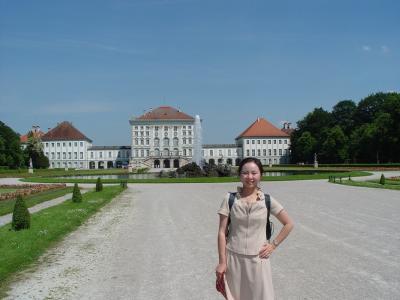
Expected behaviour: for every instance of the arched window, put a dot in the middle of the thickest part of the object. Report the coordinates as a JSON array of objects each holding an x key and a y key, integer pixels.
[
  {"x": 175, "y": 142},
  {"x": 176, "y": 151},
  {"x": 165, "y": 152},
  {"x": 156, "y": 142},
  {"x": 156, "y": 152},
  {"x": 166, "y": 142}
]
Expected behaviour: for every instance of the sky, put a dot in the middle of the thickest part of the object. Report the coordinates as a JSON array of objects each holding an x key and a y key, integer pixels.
[{"x": 99, "y": 63}]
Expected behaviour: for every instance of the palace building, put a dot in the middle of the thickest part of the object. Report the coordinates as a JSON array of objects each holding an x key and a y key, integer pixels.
[{"x": 163, "y": 137}]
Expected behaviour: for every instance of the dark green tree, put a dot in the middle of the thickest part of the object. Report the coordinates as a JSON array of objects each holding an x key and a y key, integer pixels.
[
  {"x": 335, "y": 147},
  {"x": 10, "y": 148},
  {"x": 306, "y": 147},
  {"x": 343, "y": 114},
  {"x": 382, "y": 180},
  {"x": 99, "y": 185},
  {"x": 76, "y": 194},
  {"x": 21, "y": 218}
]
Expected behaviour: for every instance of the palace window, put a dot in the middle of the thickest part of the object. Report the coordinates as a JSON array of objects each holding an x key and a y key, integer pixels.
[
  {"x": 280, "y": 151},
  {"x": 58, "y": 155},
  {"x": 258, "y": 152},
  {"x": 258, "y": 141},
  {"x": 75, "y": 155},
  {"x": 64, "y": 155},
  {"x": 81, "y": 143},
  {"x": 248, "y": 152},
  {"x": 253, "y": 152},
  {"x": 264, "y": 152},
  {"x": 109, "y": 154},
  {"x": 81, "y": 155},
  {"x": 76, "y": 144},
  {"x": 274, "y": 151}
]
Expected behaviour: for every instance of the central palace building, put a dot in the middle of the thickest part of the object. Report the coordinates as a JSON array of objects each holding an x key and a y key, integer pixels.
[{"x": 163, "y": 137}]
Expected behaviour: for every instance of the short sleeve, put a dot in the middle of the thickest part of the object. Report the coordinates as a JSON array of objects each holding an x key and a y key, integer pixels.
[
  {"x": 276, "y": 207},
  {"x": 224, "y": 209}
]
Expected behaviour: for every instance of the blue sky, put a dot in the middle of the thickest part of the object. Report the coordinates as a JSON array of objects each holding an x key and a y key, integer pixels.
[{"x": 97, "y": 63}]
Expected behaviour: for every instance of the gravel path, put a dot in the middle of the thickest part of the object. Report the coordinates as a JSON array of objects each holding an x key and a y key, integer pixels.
[{"x": 159, "y": 242}]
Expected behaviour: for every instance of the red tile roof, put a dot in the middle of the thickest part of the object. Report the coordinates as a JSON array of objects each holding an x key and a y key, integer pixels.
[
  {"x": 165, "y": 113},
  {"x": 24, "y": 138},
  {"x": 64, "y": 131},
  {"x": 260, "y": 128}
]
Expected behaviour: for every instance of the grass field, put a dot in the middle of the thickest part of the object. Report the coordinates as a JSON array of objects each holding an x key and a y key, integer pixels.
[
  {"x": 7, "y": 206},
  {"x": 3, "y": 191},
  {"x": 22, "y": 248},
  {"x": 389, "y": 184}
]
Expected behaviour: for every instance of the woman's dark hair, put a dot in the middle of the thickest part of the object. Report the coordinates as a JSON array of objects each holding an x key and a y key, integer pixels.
[{"x": 251, "y": 159}]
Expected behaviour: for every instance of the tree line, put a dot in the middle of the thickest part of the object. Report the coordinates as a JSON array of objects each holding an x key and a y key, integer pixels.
[
  {"x": 367, "y": 132},
  {"x": 11, "y": 154}
]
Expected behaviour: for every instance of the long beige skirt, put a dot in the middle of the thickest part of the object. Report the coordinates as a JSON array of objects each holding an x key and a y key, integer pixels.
[{"x": 248, "y": 277}]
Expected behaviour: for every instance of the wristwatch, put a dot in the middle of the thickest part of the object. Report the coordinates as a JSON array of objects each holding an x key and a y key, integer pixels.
[{"x": 275, "y": 243}]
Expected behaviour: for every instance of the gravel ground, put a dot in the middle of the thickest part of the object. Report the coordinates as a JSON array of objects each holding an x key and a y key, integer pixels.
[{"x": 159, "y": 242}]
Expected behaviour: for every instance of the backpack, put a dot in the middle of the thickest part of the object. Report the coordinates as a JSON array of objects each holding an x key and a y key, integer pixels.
[{"x": 270, "y": 225}]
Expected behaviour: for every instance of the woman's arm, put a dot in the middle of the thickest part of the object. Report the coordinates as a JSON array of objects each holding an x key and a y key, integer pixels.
[
  {"x": 223, "y": 222},
  {"x": 221, "y": 267},
  {"x": 288, "y": 225}
]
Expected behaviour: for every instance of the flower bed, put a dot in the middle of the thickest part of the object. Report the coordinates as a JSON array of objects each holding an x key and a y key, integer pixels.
[{"x": 28, "y": 189}]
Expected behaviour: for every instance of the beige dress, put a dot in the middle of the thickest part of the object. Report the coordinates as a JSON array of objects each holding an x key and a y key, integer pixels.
[{"x": 248, "y": 277}]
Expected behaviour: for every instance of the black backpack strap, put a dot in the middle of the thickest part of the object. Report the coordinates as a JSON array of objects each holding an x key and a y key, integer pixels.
[
  {"x": 269, "y": 224},
  {"x": 232, "y": 197}
]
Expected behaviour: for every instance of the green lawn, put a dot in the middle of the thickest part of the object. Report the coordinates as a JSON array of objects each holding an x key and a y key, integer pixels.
[
  {"x": 22, "y": 248},
  {"x": 4, "y": 190},
  {"x": 7, "y": 206},
  {"x": 373, "y": 184}
]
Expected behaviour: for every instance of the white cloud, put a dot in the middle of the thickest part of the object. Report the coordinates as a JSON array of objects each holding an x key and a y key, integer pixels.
[
  {"x": 366, "y": 48},
  {"x": 385, "y": 49},
  {"x": 80, "y": 107}
]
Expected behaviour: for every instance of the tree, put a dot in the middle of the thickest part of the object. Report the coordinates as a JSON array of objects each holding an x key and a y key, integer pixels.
[
  {"x": 99, "y": 185},
  {"x": 76, "y": 194},
  {"x": 10, "y": 147},
  {"x": 343, "y": 115},
  {"x": 34, "y": 151},
  {"x": 306, "y": 147},
  {"x": 335, "y": 146},
  {"x": 21, "y": 218}
]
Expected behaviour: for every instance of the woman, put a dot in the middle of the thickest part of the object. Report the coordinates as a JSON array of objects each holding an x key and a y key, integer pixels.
[{"x": 244, "y": 271}]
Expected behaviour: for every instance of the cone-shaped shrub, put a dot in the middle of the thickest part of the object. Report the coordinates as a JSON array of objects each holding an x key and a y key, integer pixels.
[
  {"x": 76, "y": 194},
  {"x": 382, "y": 180},
  {"x": 21, "y": 219},
  {"x": 124, "y": 184},
  {"x": 99, "y": 185}
]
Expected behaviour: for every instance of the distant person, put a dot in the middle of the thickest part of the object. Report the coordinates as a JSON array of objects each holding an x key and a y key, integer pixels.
[{"x": 244, "y": 270}]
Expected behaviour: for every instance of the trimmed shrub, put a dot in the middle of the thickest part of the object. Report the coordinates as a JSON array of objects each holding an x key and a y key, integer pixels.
[
  {"x": 76, "y": 194},
  {"x": 190, "y": 170},
  {"x": 382, "y": 180},
  {"x": 99, "y": 185},
  {"x": 21, "y": 218},
  {"x": 124, "y": 184}
]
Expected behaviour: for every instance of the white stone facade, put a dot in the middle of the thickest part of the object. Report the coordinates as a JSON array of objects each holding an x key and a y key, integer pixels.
[
  {"x": 161, "y": 143},
  {"x": 222, "y": 154},
  {"x": 270, "y": 150},
  {"x": 67, "y": 154}
]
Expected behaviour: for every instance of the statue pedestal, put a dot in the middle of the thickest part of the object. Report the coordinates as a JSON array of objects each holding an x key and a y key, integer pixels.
[
  {"x": 315, "y": 164},
  {"x": 66, "y": 169},
  {"x": 130, "y": 169},
  {"x": 270, "y": 165},
  {"x": 30, "y": 170}
]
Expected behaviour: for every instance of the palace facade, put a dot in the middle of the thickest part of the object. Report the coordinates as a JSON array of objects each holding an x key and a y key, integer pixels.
[{"x": 163, "y": 137}]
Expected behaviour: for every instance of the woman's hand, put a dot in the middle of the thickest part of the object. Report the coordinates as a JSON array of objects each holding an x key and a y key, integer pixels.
[
  {"x": 266, "y": 250},
  {"x": 220, "y": 284}
]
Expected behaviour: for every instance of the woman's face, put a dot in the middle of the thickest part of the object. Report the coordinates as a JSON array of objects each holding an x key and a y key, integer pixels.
[{"x": 250, "y": 175}]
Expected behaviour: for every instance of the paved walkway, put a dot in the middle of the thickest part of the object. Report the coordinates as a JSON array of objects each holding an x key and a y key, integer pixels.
[{"x": 159, "y": 242}]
